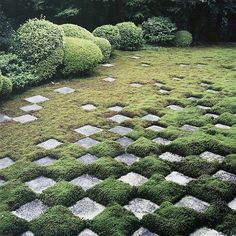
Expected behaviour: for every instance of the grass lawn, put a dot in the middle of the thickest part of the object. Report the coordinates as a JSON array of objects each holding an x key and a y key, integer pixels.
[{"x": 191, "y": 95}]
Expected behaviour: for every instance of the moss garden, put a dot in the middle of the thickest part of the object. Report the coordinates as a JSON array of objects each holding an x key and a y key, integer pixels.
[{"x": 125, "y": 130}]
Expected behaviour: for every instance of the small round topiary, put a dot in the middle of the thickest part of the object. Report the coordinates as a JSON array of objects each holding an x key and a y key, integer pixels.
[
  {"x": 105, "y": 47},
  {"x": 80, "y": 55},
  {"x": 131, "y": 36},
  {"x": 109, "y": 32},
  {"x": 6, "y": 87},
  {"x": 183, "y": 38},
  {"x": 75, "y": 31},
  {"x": 36, "y": 39}
]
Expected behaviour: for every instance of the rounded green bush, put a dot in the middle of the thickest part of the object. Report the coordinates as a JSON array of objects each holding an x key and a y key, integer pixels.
[
  {"x": 80, "y": 55},
  {"x": 37, "y": 39},
  {"x": 105, "y": 47},
  {"x": 109, "y": 32},
  {"x": 75, "y": 31},
  {"x": 183, "y": 38},
  {"x": 6, "y": 87}
]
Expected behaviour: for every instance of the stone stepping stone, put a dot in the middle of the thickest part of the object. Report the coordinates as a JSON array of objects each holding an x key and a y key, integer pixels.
[
  {"x": 206, "y": 232},
  {"x": 109, "y": 79},
  {"x": 211, "y": 115},
  {"x": 2, "y": 181},
  {"x": 31, "y": 108},
  {"x": 87, "y": 158},
  {"x": 133, "y": 179},
  {"x": 145, "y": 65},
  {"x": 193, "y": 203},
  {"x": 177, "y": 78},
  {"x": 64, "y": 90},
  {"x": 87, "y": 209},
  {"x": 191, "y": 128},
  {"x": 128, "y": 159},
  {"x": 225, "y": 176},
  {"x": 151, "y": 117},
  {"x": 107, "y": 65},
  {"x": 175, "y": 107},
  {"x": 6, "y": 162},
  {"x": 220, "y": 126},
  {"x": 201, "y": 65},
  {"x": 25, "y": 119},
  {"x": 136, "y": 85},
  {"x": 141, "y": 207},
  {"x": 135, "y": 57},
  {"x": 194, "y": 99},
  {"x": 158, "y": 84},
  {"x": 36, "y": 99},
  {"x": 143, "y": 232},
  {"x": 86, "y": 181},
  {"x": 40, "y": 184},
  {"x": 28, "y": 233},
  {"x": 168, "y": 156},
  {"x": 50, "y": 144},
  {"x": 116, "y": 108},
  {"x": 87, "y": 232},
  {"x": 155, "y": 128},
  {"x": 45, "y": 161},
  {"x": 4, "y": 118},
  {"x": 162, "y": 141},
  {"x": 88, "y": 130},
  {"x": 203, "y": 107},
  {"x": 212, "y": 91},
  {"x": 205, "y": 84},
  {"x": 87, "y": 142},
  {"x": 121, "y": 130},
  {"x": 119, "y": 118},
  {"x": 163, "y": 91},
  {"x": 125, "y": 141},
  {"x": 210, "y": 156},
  {"x": 183, "y": 65},
  {"x": 232, "y": 204},
  {"x": 31, "y": 210},
  {"x": 88, "y": 107},
  {"x": 178, "y": 178}
]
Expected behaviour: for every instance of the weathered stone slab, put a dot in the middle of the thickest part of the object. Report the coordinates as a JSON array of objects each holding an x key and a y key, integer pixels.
[
  {"x": 225, "y": 176},
  {"x": 163, "y": 91},
  {"x": 194, "y": 99},
  {"x": 121, "y": 130},
  {"x": 133, "y": 179},
  {"x": 4, "y": 118},
  {"x": 232, "y": 204},
  {"x": 109, "y": 79},
  {"x": 178, "y": 178},
  {"x": 87, "y": 158},
  {"x": 124, "y": 141},
  {"x": 49, "y": 144},
  {"x": 168, "y": 156},
  {"x": 151, "y": 117},
  {"x": 162, "y": 141},
  {"x": 6, "y": 162},
  {"x": 204, "y": 107},
  {"x": 116, "y": 108},
  {"x": 211, "y": 115},
  {"x": 107, "y": 65},
  {"x": 31, "y": 108},
  {"x": 206, "y": 232},
  {"x": 119, "y": 118},
  {"x": 45, "y": 161},
  {"x": 87, "y": 142},
  {"x": 2, "y": 181},
  {"x": 155, "y": 128},
  {"x": 64, "y": 90},
  {"x": 143, "y": 232},
  {"x": 25, "y": 119},
  {"x": 28, "y": 233},
  {"x": 212, "y": 91},
  {"x": 87, "y": 232},
  {"x": 209, "y": 156},
  {"x": 88, "y": 130},
  {"x": 175, "y": 107},
  {"x": 136, "y": 85},
  {"x": 88, "y": 107},
  {"x": 36, "y": 99},
  {"x": 128, "y": 159},
  {"x": 191, "y": 128},
  {"x": 220, "y": 126}
]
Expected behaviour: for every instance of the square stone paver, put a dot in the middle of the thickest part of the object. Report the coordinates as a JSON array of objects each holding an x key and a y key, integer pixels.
[
  {"x": 128, "y": 159},
  {"x": 87, "y": 158},
  {"x": 211, "y": 115},
  {"x": 107, "y": 65},
  {"x": 220, "y": 126},
  {"x": 45, "y": 161},
  {"x": 155, "y": 128},
  {"x": 25, "y": 119},
  {"x": 6, "y": 162},
  {"x": 119, "y": 118},
  {"x": 203, "y": 107},
  {"x": 163, "y": 91},
  {"x": 29, "y": 108},
  {"x": 206, "y": 232},
  {"x": 4, "y": 118},
  {"x": 86, "y": 181},
  {"x": 151, "y": 117},
  {"x": 135, "y": 57},
  {"x": 162, "y": 141},
  {"x": 209, "y": 156},
  {"x": 212, "y": 91},
  {"x": 177, "y": 78},
  {"x": 225, "y": 176},
  {"x": 203, "y": 84},
  {"x": 133, "y": 179},
  {"x": 87, "y": 232},
  {"x": 141, "y": 207},
  {"x": 178, "y": 178},
  {"x": 232, "y": 204},
  {"x": 191, "y": 128},
  {"x": 168, "y": 156},
  {"x": 121, "y": 130},
  {"x": 194, "y": 99},
  {"x": 49, "y": 144},
  {"x": 40, "y": 184},
  {"x": 88, "y": 130},
  {"x": 109, "y": 79},
  {"x": 87, "y": 209},
  {"x": 64, "y": 90},
  {"x": 31, "y": 210},
  {"x": 136, "y": 85},
  {"x": 175, "y": 107},
  {"x": 125, "y": 141},
  {"x": 87, "y": 142},
  {"x": 2, "y": 181},
  {"x": 159, "y": 84},
  {"x": 28, "y": 233},
  {"x": 116, "y": 108},
  {"x": 143, "y": 232},
  {"x": 88, "y": 107},
  {"x": 183, "y": 65},
  {"x": 36, "y": 99},
  {"x": 145, "y": 65},
  {"x": 193, "y": 203}
]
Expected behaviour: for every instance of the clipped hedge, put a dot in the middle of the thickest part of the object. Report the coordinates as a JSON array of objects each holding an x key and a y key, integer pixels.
[
  {"x": 183, "y": 38},
  {"x": 104, "y": 46},
  {"x": 6, "y": 87}
]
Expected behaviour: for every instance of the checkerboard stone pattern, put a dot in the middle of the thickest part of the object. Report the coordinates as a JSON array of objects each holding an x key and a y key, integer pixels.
[
  {"x": 133, "y": 179},
  {"x": 193, "y": 203},
  {"x": 6, "y": 162},
  {"x": 189, "y": 127},
  {"x": 168, "y": 156},
  {"x": 155, "y": 128},
  {"x": 209, "y": 156},
  {"x": 128, "y": 159},
  {"x": 88, "y": 130},
  {"x": 162, "y": 141},
  {"x": 31, "y": 210},
  {"x": 64, "y": 90},
  {"x": 121, "y": 130},
  {"x": 37, "y": 99},
  {"x": 151, "y": 117},
  {"x": 25, "y": 119},
  {"x": 143, "y": 232},
  {"x": 87, "y": 158},
  {"x": 50, "y": 144},
  {"x": 119, "y": 118},
  {"x": 86, "y": 209},
  {"x": 206, "y": 232},
  {"x": 87, "y": 142},
  {"x": 87, "y": 232},
  {"x": 45, "y": 161},
  {"x": 125, "y": 141},
  {"x": 178, "y": 178}
]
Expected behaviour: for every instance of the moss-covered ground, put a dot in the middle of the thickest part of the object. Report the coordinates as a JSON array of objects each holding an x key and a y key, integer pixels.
[{"x": 205, "y": 73}]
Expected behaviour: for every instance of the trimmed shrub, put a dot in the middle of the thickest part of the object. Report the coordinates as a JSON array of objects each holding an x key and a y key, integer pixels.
[
  {"x": 158, "y": 30},
  {"x": 109, "y": 32},
  {"x": 80, "y": 56},
  {"x": 6, "y": 87},
  {"x": 75, "y": 31},
  {"x": 183, "y": 38},
  {"x": 131, "y": 36},
  {"x": 105, "y": 48},
  {"x": 37, "y": 39}
]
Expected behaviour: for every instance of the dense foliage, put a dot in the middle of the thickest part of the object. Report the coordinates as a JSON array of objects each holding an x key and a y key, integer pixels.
[
  {"x": 5, "y": 87},
  {"x": 104, "y": 46},
  {"x": 183, "y": 38}
]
